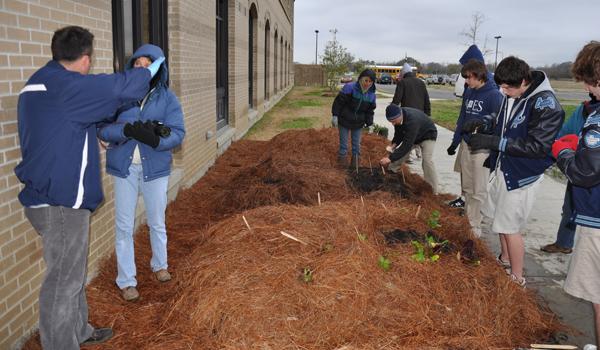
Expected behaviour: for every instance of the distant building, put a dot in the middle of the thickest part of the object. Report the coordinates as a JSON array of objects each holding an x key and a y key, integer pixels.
[{"x": 229, "y": 62}]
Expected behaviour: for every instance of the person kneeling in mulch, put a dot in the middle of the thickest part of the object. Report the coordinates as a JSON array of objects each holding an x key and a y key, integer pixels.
[{"x": 411, "y": 127}]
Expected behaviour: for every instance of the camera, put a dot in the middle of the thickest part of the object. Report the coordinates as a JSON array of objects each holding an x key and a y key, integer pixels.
[{"x": 161, "y": 129}]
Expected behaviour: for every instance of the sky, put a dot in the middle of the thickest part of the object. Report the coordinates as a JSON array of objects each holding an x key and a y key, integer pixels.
[{"x": 540, "y": 32}]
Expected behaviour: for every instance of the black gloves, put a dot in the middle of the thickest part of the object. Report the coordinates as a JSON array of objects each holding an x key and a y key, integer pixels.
[
  {"x": 143, "y": 132},
  {"x": 471, "y": 125},
  {"x": 452, "y": 149},
  {"x": 482, "y": 141}
]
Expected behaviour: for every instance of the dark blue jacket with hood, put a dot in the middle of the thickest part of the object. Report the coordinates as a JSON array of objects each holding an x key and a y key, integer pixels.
[
  {"x": 159, "y": 104},
  {"x": 58, "y": 112},
  {"x": 354, "y": 108}
]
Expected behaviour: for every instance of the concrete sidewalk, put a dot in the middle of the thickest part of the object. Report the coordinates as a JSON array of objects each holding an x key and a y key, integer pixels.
[{"x": 545, "y": 272}]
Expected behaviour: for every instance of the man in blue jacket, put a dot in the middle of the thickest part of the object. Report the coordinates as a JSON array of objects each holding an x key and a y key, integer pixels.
[
  {"x": 579, "y": 160},
  {"x": 139, "y": 158},
  {"x": 526, "y": 125},
  {"x": 58, "y": 110},
  {"x": 480, "y": 100}
]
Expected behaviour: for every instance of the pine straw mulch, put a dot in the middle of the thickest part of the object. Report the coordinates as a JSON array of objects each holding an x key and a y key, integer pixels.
[{"x": 239, "y": 286}]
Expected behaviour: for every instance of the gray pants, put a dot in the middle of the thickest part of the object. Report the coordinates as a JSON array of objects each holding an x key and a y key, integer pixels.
[
  {"x": 429, "y": 173},
  {"x": 63, "y": 305}
]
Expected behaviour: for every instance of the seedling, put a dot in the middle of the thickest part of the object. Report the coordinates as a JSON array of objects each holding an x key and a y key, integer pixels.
[
  {"x": 362, "y": 237},
  {"x": 428, "y": 251},
  {"x": 384, "y": 263},
  {"x": 307, "y": 275},
  {"x": 434, "y": 219}
]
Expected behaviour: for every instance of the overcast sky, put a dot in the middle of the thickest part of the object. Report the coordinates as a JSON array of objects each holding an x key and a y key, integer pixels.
[{"x": 540, "y": 32}]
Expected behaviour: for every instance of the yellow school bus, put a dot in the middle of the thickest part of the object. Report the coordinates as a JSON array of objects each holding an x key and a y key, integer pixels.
[{"x": 393, "y": 71}]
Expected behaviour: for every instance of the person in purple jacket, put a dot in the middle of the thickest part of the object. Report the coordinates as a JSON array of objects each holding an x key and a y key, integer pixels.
[
  {"x": 139, "y": 158},
  {"x": 58, "y": 110}
]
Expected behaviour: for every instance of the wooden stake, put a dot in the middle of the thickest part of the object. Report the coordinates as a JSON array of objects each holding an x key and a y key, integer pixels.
[
  {"x": 383, "y": 170},
  {"x": 418, "y": 210},
  {"x": 319, "y": 197},
  {"x": 553, "y": 346},
  {"x": 403, "y": 179},
  {"x": 246, "y": 222},
  {"x": 363, "y": 202},
  {"x": 293, "y": 238},
  {"x": 370, "y": 165},
  {"x": 384, "y": 207}
]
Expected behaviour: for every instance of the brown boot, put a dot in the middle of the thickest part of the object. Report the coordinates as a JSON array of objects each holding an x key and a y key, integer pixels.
[
  {"x": 130, "y": 293},
  {"x": 555, "y": 248},
  {"x": 163, "y": 275}
]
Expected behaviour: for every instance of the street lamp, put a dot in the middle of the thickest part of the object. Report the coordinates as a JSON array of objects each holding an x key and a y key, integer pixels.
[
  {"x": 316, "y": 44},
  {"x": 496, "y": 60}
]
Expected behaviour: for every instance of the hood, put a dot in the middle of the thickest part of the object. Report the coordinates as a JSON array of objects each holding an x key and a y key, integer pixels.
[
  {"x": 153, "y": 52},
  {"x": 406, "y": 68},
  {"x": 472, "y": 52},
  {"x": 539, "y": 83},
  {"x": 367, "y": 73}
]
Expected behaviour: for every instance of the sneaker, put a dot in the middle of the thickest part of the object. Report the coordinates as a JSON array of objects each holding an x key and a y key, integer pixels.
[
  {"x": 99, "y": 335},
  {"x": 130, "y": 293},
  {"x": 590, "y": 347},
  {"x": 163, "y": 275},
  {"x": 521, "y": 282},
  {"x": 457, "y": 203},
  {"x": 504, "y": 264},
  {"x": 555, "y": 248}
]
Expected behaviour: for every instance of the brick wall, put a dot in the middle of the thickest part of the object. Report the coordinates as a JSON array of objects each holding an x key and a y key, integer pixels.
[
  {"x": 26, "y": 29},
  {"x": 310, "y": 74}
]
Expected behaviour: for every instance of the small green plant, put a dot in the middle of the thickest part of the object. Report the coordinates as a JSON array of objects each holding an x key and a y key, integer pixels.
[
  {"x": 384, "y": 263},
  {"x": 307, "y": 275},
  {"x": 429, "y": 250},
  {"x": 434, "y": 219},
  {"x": 362, "y": 236},
  {"x": 327, "y": 247}
]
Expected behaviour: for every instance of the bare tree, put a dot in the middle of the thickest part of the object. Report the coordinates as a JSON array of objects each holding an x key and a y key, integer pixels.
[{"x": 474, "y": 30}]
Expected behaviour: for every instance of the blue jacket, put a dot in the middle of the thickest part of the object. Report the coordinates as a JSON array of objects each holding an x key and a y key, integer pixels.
[
  {"x": 161, "y": 105},
  {"x": 527, "y": 134},
  {"x": 476, "y": 104},
  {"x": 57, "y": 114},
  {"x": 582, "y": 168},
  {"x": 354, "y": 108}
]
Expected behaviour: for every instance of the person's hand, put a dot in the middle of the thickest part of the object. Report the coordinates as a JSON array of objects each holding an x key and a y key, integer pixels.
[
  {"x": 452, "y": 149},
  {"x": 142, "y": 132},
  {"x": 471, "y": 125},
  {"x": 385, "y": 161},
  {"x": 566, "y": 142},
  {"x": 153, "y": 68},
  {"x": 482, "y": 141},
  {"x": 334, "y": 121}
]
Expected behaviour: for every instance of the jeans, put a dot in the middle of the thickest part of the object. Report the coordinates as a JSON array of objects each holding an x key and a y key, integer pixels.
[
  {"x": 63, "y": 305},
  {"x": 355, "y": 134},
  {"x": 565, "y": 235},
  {"x": 155, "y": 200}
]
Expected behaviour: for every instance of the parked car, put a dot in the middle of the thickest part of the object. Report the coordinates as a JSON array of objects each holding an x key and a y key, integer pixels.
[
  {"x": 385, "y": 78},
  {"x": 459, "y": 86},
  {"x": 347, "y": 78},
  {"x": 453, "y": 78},
  {"x": 436, "y": 79}
]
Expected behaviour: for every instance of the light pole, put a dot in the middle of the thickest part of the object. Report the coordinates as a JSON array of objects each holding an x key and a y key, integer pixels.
[
  {"x": 316, "y": 44},
  {"x": 496, "y": 60}
]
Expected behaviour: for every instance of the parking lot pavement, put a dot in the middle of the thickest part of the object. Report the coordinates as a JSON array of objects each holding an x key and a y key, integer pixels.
[{"x": 545, "y": 273}]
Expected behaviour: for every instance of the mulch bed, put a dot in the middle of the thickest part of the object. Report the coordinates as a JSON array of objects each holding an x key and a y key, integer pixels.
[{"x": 323, "y": 284}]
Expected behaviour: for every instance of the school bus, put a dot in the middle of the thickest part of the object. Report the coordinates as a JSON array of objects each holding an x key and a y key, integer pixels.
[{"x": 393, "y": 71}]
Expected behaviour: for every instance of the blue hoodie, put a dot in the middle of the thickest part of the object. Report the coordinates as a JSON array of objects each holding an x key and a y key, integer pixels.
[
  {"x": 160, "y": 104},
  {"x": 58, "y": 111},
  {"x": 473, "y": 52},
  {"x": 476, "y": 104}
]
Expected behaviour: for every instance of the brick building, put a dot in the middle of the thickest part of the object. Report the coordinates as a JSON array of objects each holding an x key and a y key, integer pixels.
[{"x": 229, "y": 61}]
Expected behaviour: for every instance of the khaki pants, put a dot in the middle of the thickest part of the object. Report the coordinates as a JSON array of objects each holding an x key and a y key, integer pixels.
[
  {"x": 429, "y": 173},
  {"x": 474, "y": 181}
]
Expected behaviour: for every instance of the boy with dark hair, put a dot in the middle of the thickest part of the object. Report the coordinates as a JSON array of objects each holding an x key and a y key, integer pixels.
[
  {"x": 58, "y": 110},
  {"x": 527, "y": 123},
  {"x": 579, "y": 160},
  {"x": 480, "y": 100}
]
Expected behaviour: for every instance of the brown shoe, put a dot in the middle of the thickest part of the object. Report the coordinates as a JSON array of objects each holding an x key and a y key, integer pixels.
[
  {"x": 555, "y": 248},
  {"x": 163, "y": 275},
  {"x": 130, "y": 293}
]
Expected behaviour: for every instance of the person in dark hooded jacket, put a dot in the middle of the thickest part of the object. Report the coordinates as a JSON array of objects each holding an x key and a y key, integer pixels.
[
  {"x": 139, "y": 158},
  {"x": 411, "y": 91},
  {"x": 529, "y": 119},
  {"x": 353, "y": 109}
]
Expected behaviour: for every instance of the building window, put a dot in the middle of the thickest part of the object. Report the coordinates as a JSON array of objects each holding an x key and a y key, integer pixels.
[
  {"x": 267, "y": 58},
  {"x": 222, "y": 64},
  {"x": 138, "y": 22},
  {"x": 252, "y": 55}
]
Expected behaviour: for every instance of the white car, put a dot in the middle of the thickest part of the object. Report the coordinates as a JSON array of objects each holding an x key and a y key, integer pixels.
[{"x": 459, "y": 86}]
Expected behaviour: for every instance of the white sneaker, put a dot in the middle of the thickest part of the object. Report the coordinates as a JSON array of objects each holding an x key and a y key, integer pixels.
[{"x": 590, "y": 347}]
